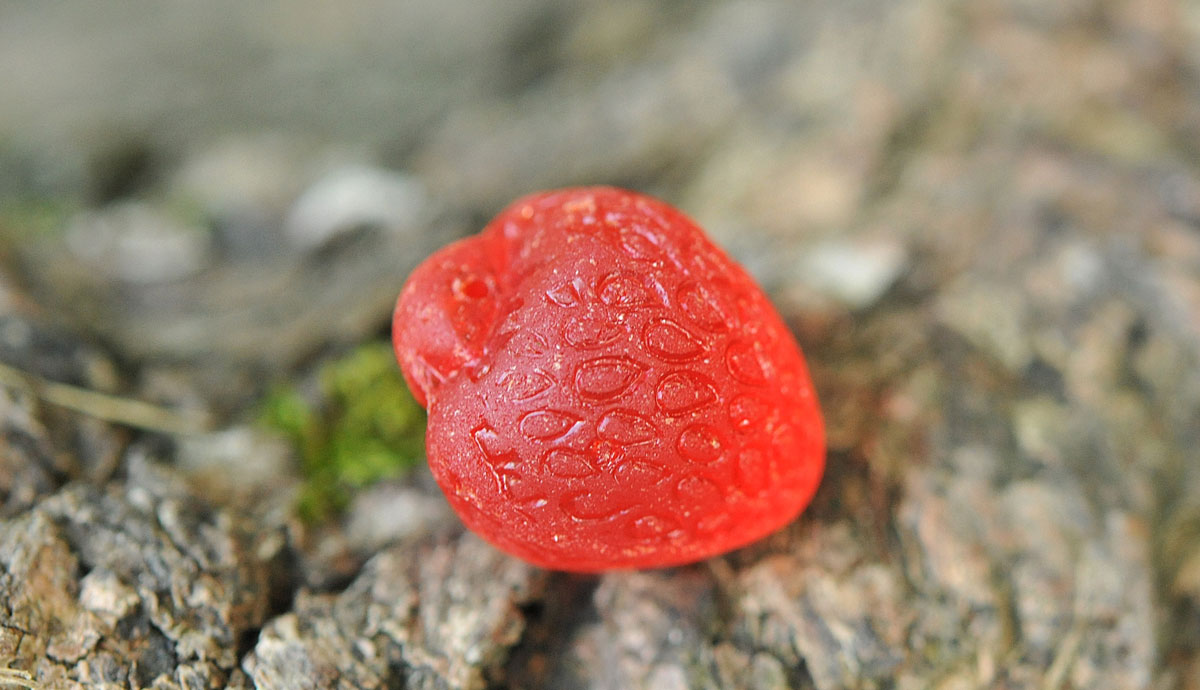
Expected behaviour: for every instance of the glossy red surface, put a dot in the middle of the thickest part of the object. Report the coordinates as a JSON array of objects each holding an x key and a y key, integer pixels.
[{"x": 606, "y": 388}]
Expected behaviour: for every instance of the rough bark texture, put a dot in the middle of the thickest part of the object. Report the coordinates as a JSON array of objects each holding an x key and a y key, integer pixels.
[
  {"x": 136, "y": 585},
  {"x": 982, "y": 220}
]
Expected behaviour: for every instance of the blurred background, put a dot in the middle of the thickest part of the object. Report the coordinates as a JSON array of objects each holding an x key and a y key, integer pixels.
[
  {"x": 981, "y": 219},
  {"x": 247, "y": 183}
]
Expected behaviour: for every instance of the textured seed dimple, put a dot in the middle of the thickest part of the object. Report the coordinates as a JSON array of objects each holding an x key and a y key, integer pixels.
[
  {"x": 705, "y": 264},
  {"x": 590, "y": 332},
  {"x": 518, "y": 487},
  {"x": 713, "y": 522},
  {"x": 747, "y": 412},
  {"x": 684, "y": 391},
  {"x": 586, "y": 505},
  {"x": 702, "y": 307},
  {"x": 653, "y": 527},
  {"x": 491, "y": 445},
  {"x": 568, "y": 463},
  {"x": 700, "y": 443},
  {"x": 625, "y": 427},
  {"x": 524, "y": 386},
  {"x": 668, "y": 340},
  {"x": 745, "y": 362},
  {"x": 565, "y": 295},
  {"x": 699, "y": 491},
  {"x": 639, "y": 472},
  {"x": 617, "y": 290},
  {"x": 546, "y": 425},
  {"x": 477, "y": 371},
  {"x": 638, "y": 246},
  {"x": 660, "y": 294},
  {"x": 585, "y": 205},
  {"x": 605, "y": 378}
]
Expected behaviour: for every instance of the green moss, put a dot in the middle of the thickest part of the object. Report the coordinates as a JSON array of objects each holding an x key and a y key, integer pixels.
[
  {"x": 367, "y": 427},
  {"x": 32, "y": 219}
]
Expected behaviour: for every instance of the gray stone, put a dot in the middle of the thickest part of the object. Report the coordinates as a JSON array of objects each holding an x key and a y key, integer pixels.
[
  {"x": 349, "y": 199},
  {"x": 136, "y": 243},
  {"x": 855, "y": 274},
  {"x": 391, "y": 512}
]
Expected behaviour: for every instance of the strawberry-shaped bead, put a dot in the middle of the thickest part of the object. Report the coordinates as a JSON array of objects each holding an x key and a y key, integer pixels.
[{"x": 606, "y": 388}]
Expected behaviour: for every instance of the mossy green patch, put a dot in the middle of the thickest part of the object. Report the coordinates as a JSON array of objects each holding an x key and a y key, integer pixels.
[
  {"x": 366, "y": 427},
  {"x": 34, "y": 219}
]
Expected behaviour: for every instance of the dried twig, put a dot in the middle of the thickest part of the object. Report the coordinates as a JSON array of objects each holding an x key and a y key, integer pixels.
[
  {"x": 22, "y": 679},
  {"x": 111, "y": 408}
]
